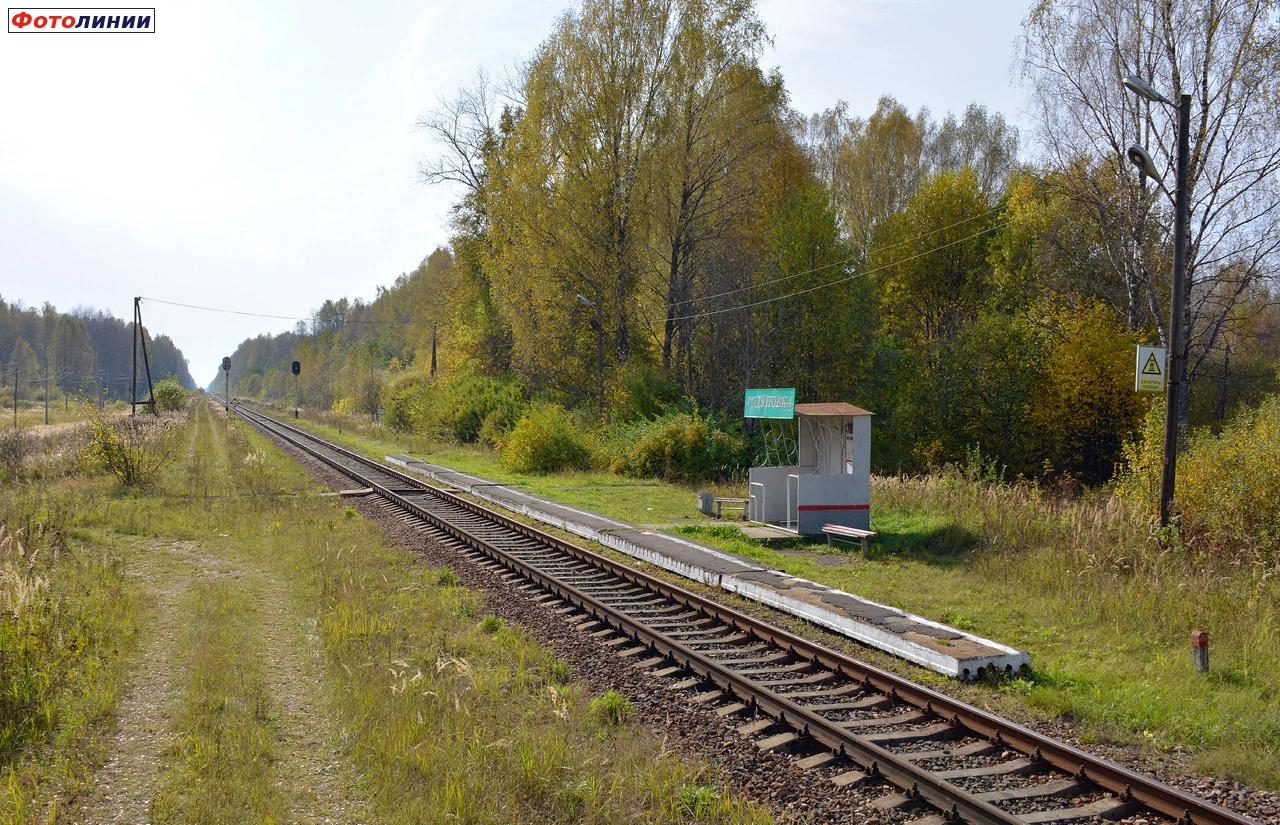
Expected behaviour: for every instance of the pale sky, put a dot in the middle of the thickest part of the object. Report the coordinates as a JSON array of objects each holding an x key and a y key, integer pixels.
[{"x": 262, "y": 156}]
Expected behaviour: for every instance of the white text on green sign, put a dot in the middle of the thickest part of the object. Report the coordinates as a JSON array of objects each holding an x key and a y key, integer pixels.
[{"x": 770, "y": 403}]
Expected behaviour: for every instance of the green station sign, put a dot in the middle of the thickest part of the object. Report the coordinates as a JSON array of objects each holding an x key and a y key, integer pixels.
[{"x": 772, "y": 403}]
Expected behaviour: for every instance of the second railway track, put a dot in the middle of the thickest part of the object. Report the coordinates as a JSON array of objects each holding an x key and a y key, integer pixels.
[{"x": 848, "y": 721}]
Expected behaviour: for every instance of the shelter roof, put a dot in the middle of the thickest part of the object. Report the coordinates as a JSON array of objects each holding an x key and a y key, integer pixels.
[{"x": 834, "y": 408}]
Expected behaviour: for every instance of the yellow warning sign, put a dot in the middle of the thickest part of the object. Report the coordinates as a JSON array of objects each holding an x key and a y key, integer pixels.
[{"x": 1149, "y": 369}]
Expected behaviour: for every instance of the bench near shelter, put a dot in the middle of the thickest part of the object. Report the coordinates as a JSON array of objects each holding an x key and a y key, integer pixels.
[{"x": 849, "y": 535}]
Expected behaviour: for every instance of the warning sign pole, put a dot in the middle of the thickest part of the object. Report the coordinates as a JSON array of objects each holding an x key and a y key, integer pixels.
[{"x": 1177, "y": 329}]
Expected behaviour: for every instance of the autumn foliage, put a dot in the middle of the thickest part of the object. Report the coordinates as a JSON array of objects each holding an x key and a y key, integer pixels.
[{"x": 645, "y": 228}]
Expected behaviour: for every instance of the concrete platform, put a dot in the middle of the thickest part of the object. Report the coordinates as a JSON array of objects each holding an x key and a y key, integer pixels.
[
  {"x": 766, "y": 532},
  {"x": 916, "y": 639}
]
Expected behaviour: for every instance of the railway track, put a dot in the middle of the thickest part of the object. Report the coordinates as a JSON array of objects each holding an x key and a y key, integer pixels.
[{"x": 846, "y": 721}]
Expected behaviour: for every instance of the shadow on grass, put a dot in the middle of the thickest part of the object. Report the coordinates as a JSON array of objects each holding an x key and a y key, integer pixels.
[{"x": 933, "y": 540}]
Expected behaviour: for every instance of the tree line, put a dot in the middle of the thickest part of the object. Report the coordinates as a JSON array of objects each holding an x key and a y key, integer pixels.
[
  {"x": 81, "y": 353},
  {"x": 645, "y": 222}
]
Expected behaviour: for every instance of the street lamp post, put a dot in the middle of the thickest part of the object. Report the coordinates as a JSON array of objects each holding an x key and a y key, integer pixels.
[{"x": 1177, "y": 363}]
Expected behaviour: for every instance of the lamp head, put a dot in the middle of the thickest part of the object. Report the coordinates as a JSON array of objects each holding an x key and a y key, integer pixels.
[
  {"x": 1139, "y": 158},
  {"x": 1144, "y": 89}
]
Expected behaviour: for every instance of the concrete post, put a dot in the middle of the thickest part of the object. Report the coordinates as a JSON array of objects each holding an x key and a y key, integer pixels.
[{"x": 1200, "y": 650}]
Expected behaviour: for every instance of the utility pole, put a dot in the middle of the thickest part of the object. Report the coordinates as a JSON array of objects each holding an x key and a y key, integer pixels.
[
  {"x": 1175, "y": 385},
  {"x": 133, "y": 393},
  {"x": 15, "y": 394},
  {"x": 1177, "y": 326},
  {"x": 433, "y": 350},
  {"x": 46, "y": 390},
  {"x": 146, "y": 359}
]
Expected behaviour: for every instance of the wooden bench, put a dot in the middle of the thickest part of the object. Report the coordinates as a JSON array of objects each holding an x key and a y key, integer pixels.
[
  {"x": 733, "y": 504},
  {"x": 850, "y": 535}
]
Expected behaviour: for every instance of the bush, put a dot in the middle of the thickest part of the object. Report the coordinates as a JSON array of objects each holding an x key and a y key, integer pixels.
[
  {"x": 1229, "y": 484},
  {"x": 134, "y": 450},
  {"x": 465, "y": 409},
  {"x": 16, "y": 447},
  {"x": 498, "y": 424},
  {"x": 170, "y": 394},
  {"x": 680, "y": 447},
  {"x": 611, "y": 710},
  {"x": 408, "y": 400},
  {"x": 1139, "y": 478},
  {"x": 1228, "y": 493},
  {"x": 399, "y": 415},
  {"x": 463, "y": 405},
  {"x": 545, "y": 440},
  {"x": 642, "y": 392}
]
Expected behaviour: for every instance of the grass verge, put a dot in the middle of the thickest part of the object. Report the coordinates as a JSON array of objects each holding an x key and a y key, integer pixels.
[{"x": 68, "y": 620}]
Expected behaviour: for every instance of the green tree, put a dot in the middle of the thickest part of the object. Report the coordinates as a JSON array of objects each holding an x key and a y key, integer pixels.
[
  {"x": 71, "y": 354},
  {"x": 23, "y": 361},
  {"x": 718, "y": 112},
  {"x": 1085, "y": 407},
  {"x": 981, "y": 393},
  {"x": 1222, "y": 54},
  {"x": 930, "y": 261},
  {"x": 170, "y": 394}
]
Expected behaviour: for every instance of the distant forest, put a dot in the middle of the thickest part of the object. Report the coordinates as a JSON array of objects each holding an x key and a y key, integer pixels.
[
  {"x": 646, "y": 224},
  {"x": 81, "y": 352}
]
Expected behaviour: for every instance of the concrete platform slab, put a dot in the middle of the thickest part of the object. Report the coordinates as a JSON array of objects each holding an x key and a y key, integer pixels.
[
  {"x": 916, "y": 639},
  {"x": 765, "y": 532}
]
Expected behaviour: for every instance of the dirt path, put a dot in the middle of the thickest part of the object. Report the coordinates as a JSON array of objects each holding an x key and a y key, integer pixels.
[
  {"x": 124, "y": 786},
  {"x": 315, "y": 779},
  {"x": 311, "y": 763}
]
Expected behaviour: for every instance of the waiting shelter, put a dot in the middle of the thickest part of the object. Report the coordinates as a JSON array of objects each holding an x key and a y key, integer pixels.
[{"x": 817, "y": 463}]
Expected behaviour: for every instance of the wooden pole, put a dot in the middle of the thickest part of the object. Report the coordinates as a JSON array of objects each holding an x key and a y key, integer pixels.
[{"x": 133, "y": 393}]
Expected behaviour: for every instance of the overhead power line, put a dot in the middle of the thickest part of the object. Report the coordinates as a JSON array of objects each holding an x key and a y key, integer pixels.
[
  {"x": 826, "y": 266},
  {"x": 226, "y": 311},
  {"x": 720, "y": 310},
  {"x": 845, "y": 279}
]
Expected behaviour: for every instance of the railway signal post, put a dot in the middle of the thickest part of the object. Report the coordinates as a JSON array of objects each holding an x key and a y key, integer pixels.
[{"x": 226, "y": 383}]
